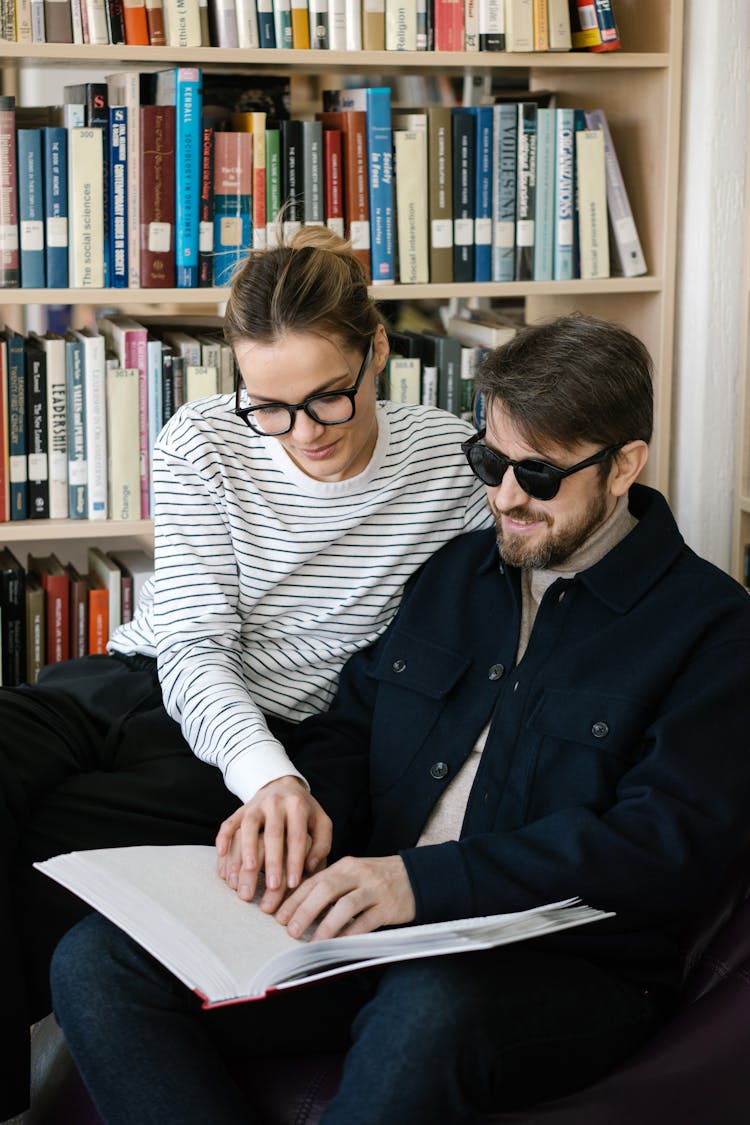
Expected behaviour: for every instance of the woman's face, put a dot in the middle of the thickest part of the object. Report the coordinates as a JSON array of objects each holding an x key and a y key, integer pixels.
[{"x": 300, "y": 364}]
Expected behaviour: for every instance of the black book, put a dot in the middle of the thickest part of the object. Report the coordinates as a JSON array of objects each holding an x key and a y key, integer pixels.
[
  {"x": 464, "y": 141},
  {"x": 13, "y": 620},
  {"x": 37, "y": 423}
]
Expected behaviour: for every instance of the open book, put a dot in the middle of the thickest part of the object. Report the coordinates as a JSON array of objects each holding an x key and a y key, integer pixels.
[{"x": 172, "y": 902}]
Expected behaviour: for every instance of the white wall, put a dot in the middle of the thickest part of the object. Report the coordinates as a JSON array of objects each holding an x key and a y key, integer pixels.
[{"x": 716, "y": 80}]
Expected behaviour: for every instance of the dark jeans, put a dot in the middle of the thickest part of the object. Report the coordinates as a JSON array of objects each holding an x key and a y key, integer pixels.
[
  {"x": 89, "y": 758},
  {"x": 433, "y": 1041}
]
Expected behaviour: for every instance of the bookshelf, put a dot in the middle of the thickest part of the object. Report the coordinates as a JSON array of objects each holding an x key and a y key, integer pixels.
[{"x": 639, "y": 88}]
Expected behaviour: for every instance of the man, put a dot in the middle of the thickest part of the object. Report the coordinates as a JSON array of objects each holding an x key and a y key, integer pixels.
[{"x": 567, "y": 719}]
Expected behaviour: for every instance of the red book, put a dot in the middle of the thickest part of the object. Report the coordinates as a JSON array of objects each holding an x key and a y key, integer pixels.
[
  {"x": 157, "y": 181},
  {"x": 333, "y": 180},
  {"x": 136, "y": 23},
  {"x": 353, "y": 126},
  {"x": 9, "y": 259},
  {"x": 449, "y": 25},
  {"x": 98, "y": 616},
  {"x": 56, "y": 586}
]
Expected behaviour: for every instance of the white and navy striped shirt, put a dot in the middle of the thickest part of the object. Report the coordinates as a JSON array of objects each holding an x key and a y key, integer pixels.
[{"x": 267, "y": 580}]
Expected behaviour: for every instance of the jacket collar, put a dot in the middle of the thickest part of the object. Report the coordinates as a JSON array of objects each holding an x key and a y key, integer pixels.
[{"x": 628, "y": 571}]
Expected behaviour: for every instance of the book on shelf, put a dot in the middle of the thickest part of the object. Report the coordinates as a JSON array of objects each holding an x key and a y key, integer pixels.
[
  {"x": 626, "y": 251},
  {"x": 136, "y": 23},
  {"x": 98, "y": 615},
  {"x": 504, "y": 163},
  {"x": 471, "y": 25},
  {"x": 128, "y": 339},
  {"x": 56, "y": 585},
  {"x": 124, "y": 90},
  {"x": 79, "y": 612},
  {"x": 117, "y": 180},
  {"x": 12, "y": 621},
  {"x": 9, "y": 250},
  {"x": 440, "y": 191},
  {"x": 540, "y": 25},
  {"x": 15, "y": 374},
  {"x": 182, "y": 88},
  {"x": 182, "y": 24},
  {"x": 544, "y": 195},
  {"x": 464, "y": 148},
  {"x": 333, "y": 181},
  {"x": 482, "y": 191},
  {"x": 171, "y": 901},
  {"x": 93, "y": 353},
  {"x": 37, "y": 440},
  {"x": 223, "y": 27},
  {"x": 559, "y": 25},
  {"x": 115, "y": 21},
  {"x": 491, "y": 19},
  {"x": 444, "y": 353},
  {"x": 86, "y": 203},
  {"x": 266, "y": 26},
  {"x": 75, "y": 383},
  {"x": 31, "y": 207},
  {"x": 404, "y": 379},
  {"x": 352, "y": 125},
  {"x": 519, "y": 25},
  {"x": 410, "y": 150},
  {"x": 35, "y": 626},
  {"x": 373, "y": 25},
  {"x": 525, "y": 190},
  {"x": 584, "y": 25},
  {"x": 157, "y": 208},
  {"x": 58, "y": 25},
  {"x": 300, "y": 16},
  {"x": 273, "y": 185},
  {"x": 156, "y": 23},
  {"x": 108, "y": 573},
  {"x": 609, "y": 36},
  {"x": 233, "y": 158},
  {"x": 564, "y": 254},
  {"x": 292, "y": 177},
  {"x": 319, "y": 29},
  {"x": 254, "y": 122},
  {"x": 593, "y": 237},
  {"x": 4, "y": 434},
  {"x": 313, "y": 173},
  {"x": 136, "y": 563},
  {"x": 123, "y": 449},
  {"x": 53, "y": 345},
  {"x": 247, "y": 24},
  {"x": 55, "y": 160},
  {"x": 476, "y": 331}
]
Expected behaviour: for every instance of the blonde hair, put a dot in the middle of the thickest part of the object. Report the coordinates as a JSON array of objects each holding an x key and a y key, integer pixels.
[{"x": 314, "y": 283}]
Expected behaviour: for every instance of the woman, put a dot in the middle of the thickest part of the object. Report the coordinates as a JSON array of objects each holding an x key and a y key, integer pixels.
[{"x": 286, "y": 524}]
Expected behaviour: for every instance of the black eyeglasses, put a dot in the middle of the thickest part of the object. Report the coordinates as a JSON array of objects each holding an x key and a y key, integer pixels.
[
  {"x": 330, "y": 408},
  {"x": 539, "y": 480}
]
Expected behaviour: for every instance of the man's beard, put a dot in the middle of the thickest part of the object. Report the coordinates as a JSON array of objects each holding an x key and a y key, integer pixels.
[{"x": 557, "y": 546}]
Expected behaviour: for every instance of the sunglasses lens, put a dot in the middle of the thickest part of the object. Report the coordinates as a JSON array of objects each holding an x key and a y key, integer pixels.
[
  {"x": 486, "y": 465},
  {"x": 537, "y": 479}
]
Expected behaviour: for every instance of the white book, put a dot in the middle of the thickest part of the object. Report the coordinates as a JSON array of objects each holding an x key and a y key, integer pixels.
[
  {"x": 123, "y": 444},
  {"x": 183, "y": 23},
  {"x": 491, "y": 17},
  {"x": 37, "y": 21},
  {"x": 593, "y": 237},
  {"x": 96, "y": 16},
  {"x": 337, "y": 25},
  {"x": 200, "y": 382},
  {"x": 86, "y": 207},
  {"x": 57, "y": 421},
  {"x": 559, "y": 25},
  {"x": 479, "y": 333},
  {"x": 247, "y": 24},
  {"x": 429, "y": 386},
  {"x": 400, "y": 25},
  {"x": 225, "y": 22},
  {"x": 124, "y": 89},
  {"x": 471, "y": 25},
  {"x": 96, "y": 422},
  {"x": 171, "y": 901},
  {"x": 405, "y": 379},
  {"x": 519, "y": 25},
  {"x": 317, "y": 13},
  {"x": 353, "y": 10},
  {"x": 75, "y": 19},
  {"x": 625, "y": 243},
  {"x": 410, "y": 148},
  {"x": 138, "y": 564},
  {"x": 110, "y": 576}
]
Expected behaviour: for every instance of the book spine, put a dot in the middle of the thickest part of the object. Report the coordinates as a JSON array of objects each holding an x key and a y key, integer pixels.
[
  {"x": 282, "y": 16},
  {"x": 540, "y": 24},
  {"x": 353, "y": 24},
  {"x": 57, "y": 612},
  {"x": 292, "y": 183},
  {"x": 608, "y": 33},
  {"x": 404, "y": 380},
  {"x": 440, "y": 189},
  {"x": 23, "y": 22},
  {"x": 266, "y": 28},
  {"x": 449, "y": 25},
  {"x": 37, "y": 21},
  {"x": 118, "y": 202},
  {"x": 55, "y": 160},
  {"x": 189, "y": 142},
  {"x": 57, "y": 429},
  {"x": 157, "y": 165},
  {"x": 122, "y": 442},
  {"x": 401, "y": 25},
  {"x": 585, "y": 28},
  {"x": 58, "y": 26},
  {"x": 224, "y": 26},
  {"x": 320, "y": 39},
  {"x": 183, "y": 25},
  {"x": 12, "y": 619},
  {"x": 373, "y": 25},
  {"x": 380, "y": 161},
  {"x": 31, "y": 207},
  {"x": 273, "y": 185},
  {"x": 592, "y": 204},
  {"x": 98, "y": 620},
  {"x": 247, "y": 24},
  {"x": 544, "y": 196},
  {"x": 491, "y": 15},
  {"x": 259, "y": 180},
  {"x": 559, "y": 25},
  {"x": 519, "y": 25},
  {"x": 124, "y": 91},
  {"x": 625, "y": 242},
  {"x": 76, "y": 420},
  {"x": 17, "y": 432},
  {"x": 206, "y": 208},
  {"x": 525, "y": 191},
  {"x": 136, "y": 355},
  {"x": 333, "y": 181},
  {"x": 96, "y": 15},
  {"x": 10, "y": 274},
  {"x": 504, "y": 161},
  {"x": 312, "y": 155},
  {"x": 35, "y": 629},
  {"x": 410, "y": 147},
  {"x": 463, "y": 195},
  {"x": 86, "y": 198},
  {"x": 116, "y": 21},
  {"x": 482, "y": 193},
  {"x": 96, "y": 428},
  {"x": 136, "y": 23},
  {"x": 564, "y": 253},
  {"x": 37, "y": 445},
  {"x": 300, "y": 25},
  {"x": 471, "y": 25},
  {"x": 232, "y": 202},
  {"x": 167, "y": 384}
]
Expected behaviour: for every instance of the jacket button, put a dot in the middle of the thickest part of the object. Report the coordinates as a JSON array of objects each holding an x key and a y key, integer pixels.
[
  {"x": 600, "y": 730},
  {"x": 439, "y": 770},
  {"x": 398, "y": 665},
  {"x": 496, "y": 671}
]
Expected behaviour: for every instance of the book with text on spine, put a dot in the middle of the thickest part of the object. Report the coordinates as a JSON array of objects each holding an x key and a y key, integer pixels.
[
  {"x": 233, "y": 171},
  {"x": 593, "y": 236},
  {"x": 55, "y": 159},
  {"x": 86, "y": 203},
  {"x": 171, "y": 901},
  {"x": 31, "y": 207},
  {"x": 9, "y": 260},
  {"x": 626, "y": 251},
  {"x": 56, "y": 584}
]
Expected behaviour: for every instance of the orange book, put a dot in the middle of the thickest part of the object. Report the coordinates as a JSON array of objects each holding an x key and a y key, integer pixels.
[
  {"x": 136, "y": 23},
  {"x": 98, "y": 616},
  {"x": 352, "y": 123},
  {"x": 300, "y": 25}
]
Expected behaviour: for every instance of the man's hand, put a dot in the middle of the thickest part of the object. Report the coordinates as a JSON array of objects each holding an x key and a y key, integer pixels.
[
  {"x": 281, "y": 821},
  {"x": 359, "y": 895}
]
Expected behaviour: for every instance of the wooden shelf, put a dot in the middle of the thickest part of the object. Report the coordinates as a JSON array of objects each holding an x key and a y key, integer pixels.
[{"x": 31, "y": 531}]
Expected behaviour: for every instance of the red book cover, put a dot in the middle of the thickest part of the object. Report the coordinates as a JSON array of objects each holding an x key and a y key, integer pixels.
[
  {"x": 98, "y": 617},
  {"x": 353, "y": 126},
  {"x": 157, "y": 181},
  {"x": 449, "y": 25},
  {"x": 56, "y": 586},
  {"x": 157, "y": 32},
  {"x": 136, "y": 23},
  {"x": 333, "y": 181},
  {"x": 9, "y": 259}
]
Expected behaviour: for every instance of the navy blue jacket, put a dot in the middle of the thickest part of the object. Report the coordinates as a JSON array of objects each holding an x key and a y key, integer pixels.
[{"x": 617, "y": 765}]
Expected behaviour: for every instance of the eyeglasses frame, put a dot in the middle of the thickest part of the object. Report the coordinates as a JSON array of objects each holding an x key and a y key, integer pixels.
[
  {"x": 558, "y": 473},
  {"x": 244, "y": 412}
]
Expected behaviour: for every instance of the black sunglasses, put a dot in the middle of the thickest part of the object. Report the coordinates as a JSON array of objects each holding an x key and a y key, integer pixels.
[
  {"x": 329, "y": 408},
  {"x": 539, "y": 480}
]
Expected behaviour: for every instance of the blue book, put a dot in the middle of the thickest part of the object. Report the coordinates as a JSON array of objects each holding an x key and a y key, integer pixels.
[
  {"x": 30, "y": 207},
  {"x": 464, "y": 146},
  {"x": 544, "y": 201},
  {"x": 376, "y": 102},
  {"x": 75, "y": 376},
  {"x": 17, "y": 433},
  {"x": 182, "y": 88},
  {"x": 118, "y": 196},
  {"x": 505, "y": 155},
  {"x": 563, "y": 268},
  {"x": 482, "y": 192},
  {"x": 266, "y": 29},
  {"x": 55, "y": 155}
]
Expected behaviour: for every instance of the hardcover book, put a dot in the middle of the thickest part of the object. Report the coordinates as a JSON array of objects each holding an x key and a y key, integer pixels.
[
  {"x": 333, "y": 181},
  {"x": 75, "y": 383},
  {"x": 17, "y": 431},
  {"x": 292, "y": 177},
  {"x": 118, "y": 196},
  {"x": 56, "y": 585},
  {"x": 53, "y": 345},
  {"x": 593, "y": 238},
  {"x": 108, "y": 573},
  {"x": 224, "y": 23},
  {"x": 410, "y": 146},
  {"x": 491, "y": 18},
  {"x": 313, "y": 173},
  {"x": 181, "y": 87},
  {"x": 464, "y": 148},
  {"x": 98, "y": 613},
  {"x": 626, "y": 251},
  {"x": 128, "y": 339},
  {"x": 36, "y": 627},
  {"x": 352, "y": 124},
  {"x": 440, "y": 192},
  {"x": 373, "y": 25},
  {"x": 12, "y": 620},
  {"x": 519, "y": 25},
  {"x": 55, "y": 160},
  {"x": 525, "y": 190},
  {"x": 31, "y": 207},
  {"x": 206, "y": 207},
  {"x": 482, "y": 192},
  {"x": 544, "y": 196},
  {"x": 171, "y": 901},
  {"x": 564, "y": 263},
  {"x": 300, "y": 25},
  {"x": 86, "y": 202},
  {"x": 9, "y": 260},
  {"x": 136, "y": 23},
  {"x": 95, "y": 412},
  {"x": 183, "y": 24},
  {"x": 79, "y": 612},
  {"x": 449, "y": 25},
  {"x": 124, "y": 91},
  {"x": 37, "y": 440},
  {"x": 157, "y": 172},
  {"x": 123, "y": 453},
  {"x": 233, "y": 164},
  {"x": 504, "y": 163}
]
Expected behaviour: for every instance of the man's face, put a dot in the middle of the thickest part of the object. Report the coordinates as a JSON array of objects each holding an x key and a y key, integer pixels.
[{"x": 544, "y": 533}]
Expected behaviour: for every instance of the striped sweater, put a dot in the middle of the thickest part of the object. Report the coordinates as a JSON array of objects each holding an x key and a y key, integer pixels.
[{"x": 267, "y": 580}]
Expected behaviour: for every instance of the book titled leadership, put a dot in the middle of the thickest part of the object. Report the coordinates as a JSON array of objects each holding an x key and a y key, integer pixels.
[{"x": 171, "y": 901}]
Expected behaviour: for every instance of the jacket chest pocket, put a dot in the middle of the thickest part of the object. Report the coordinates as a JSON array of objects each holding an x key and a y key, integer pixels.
[
  {"x": 415, "y": 678},
  {"x": 585, "y": 742}
]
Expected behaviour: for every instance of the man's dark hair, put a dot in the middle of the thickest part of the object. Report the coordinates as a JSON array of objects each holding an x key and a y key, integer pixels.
[{"x": 572, "y": 380}]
